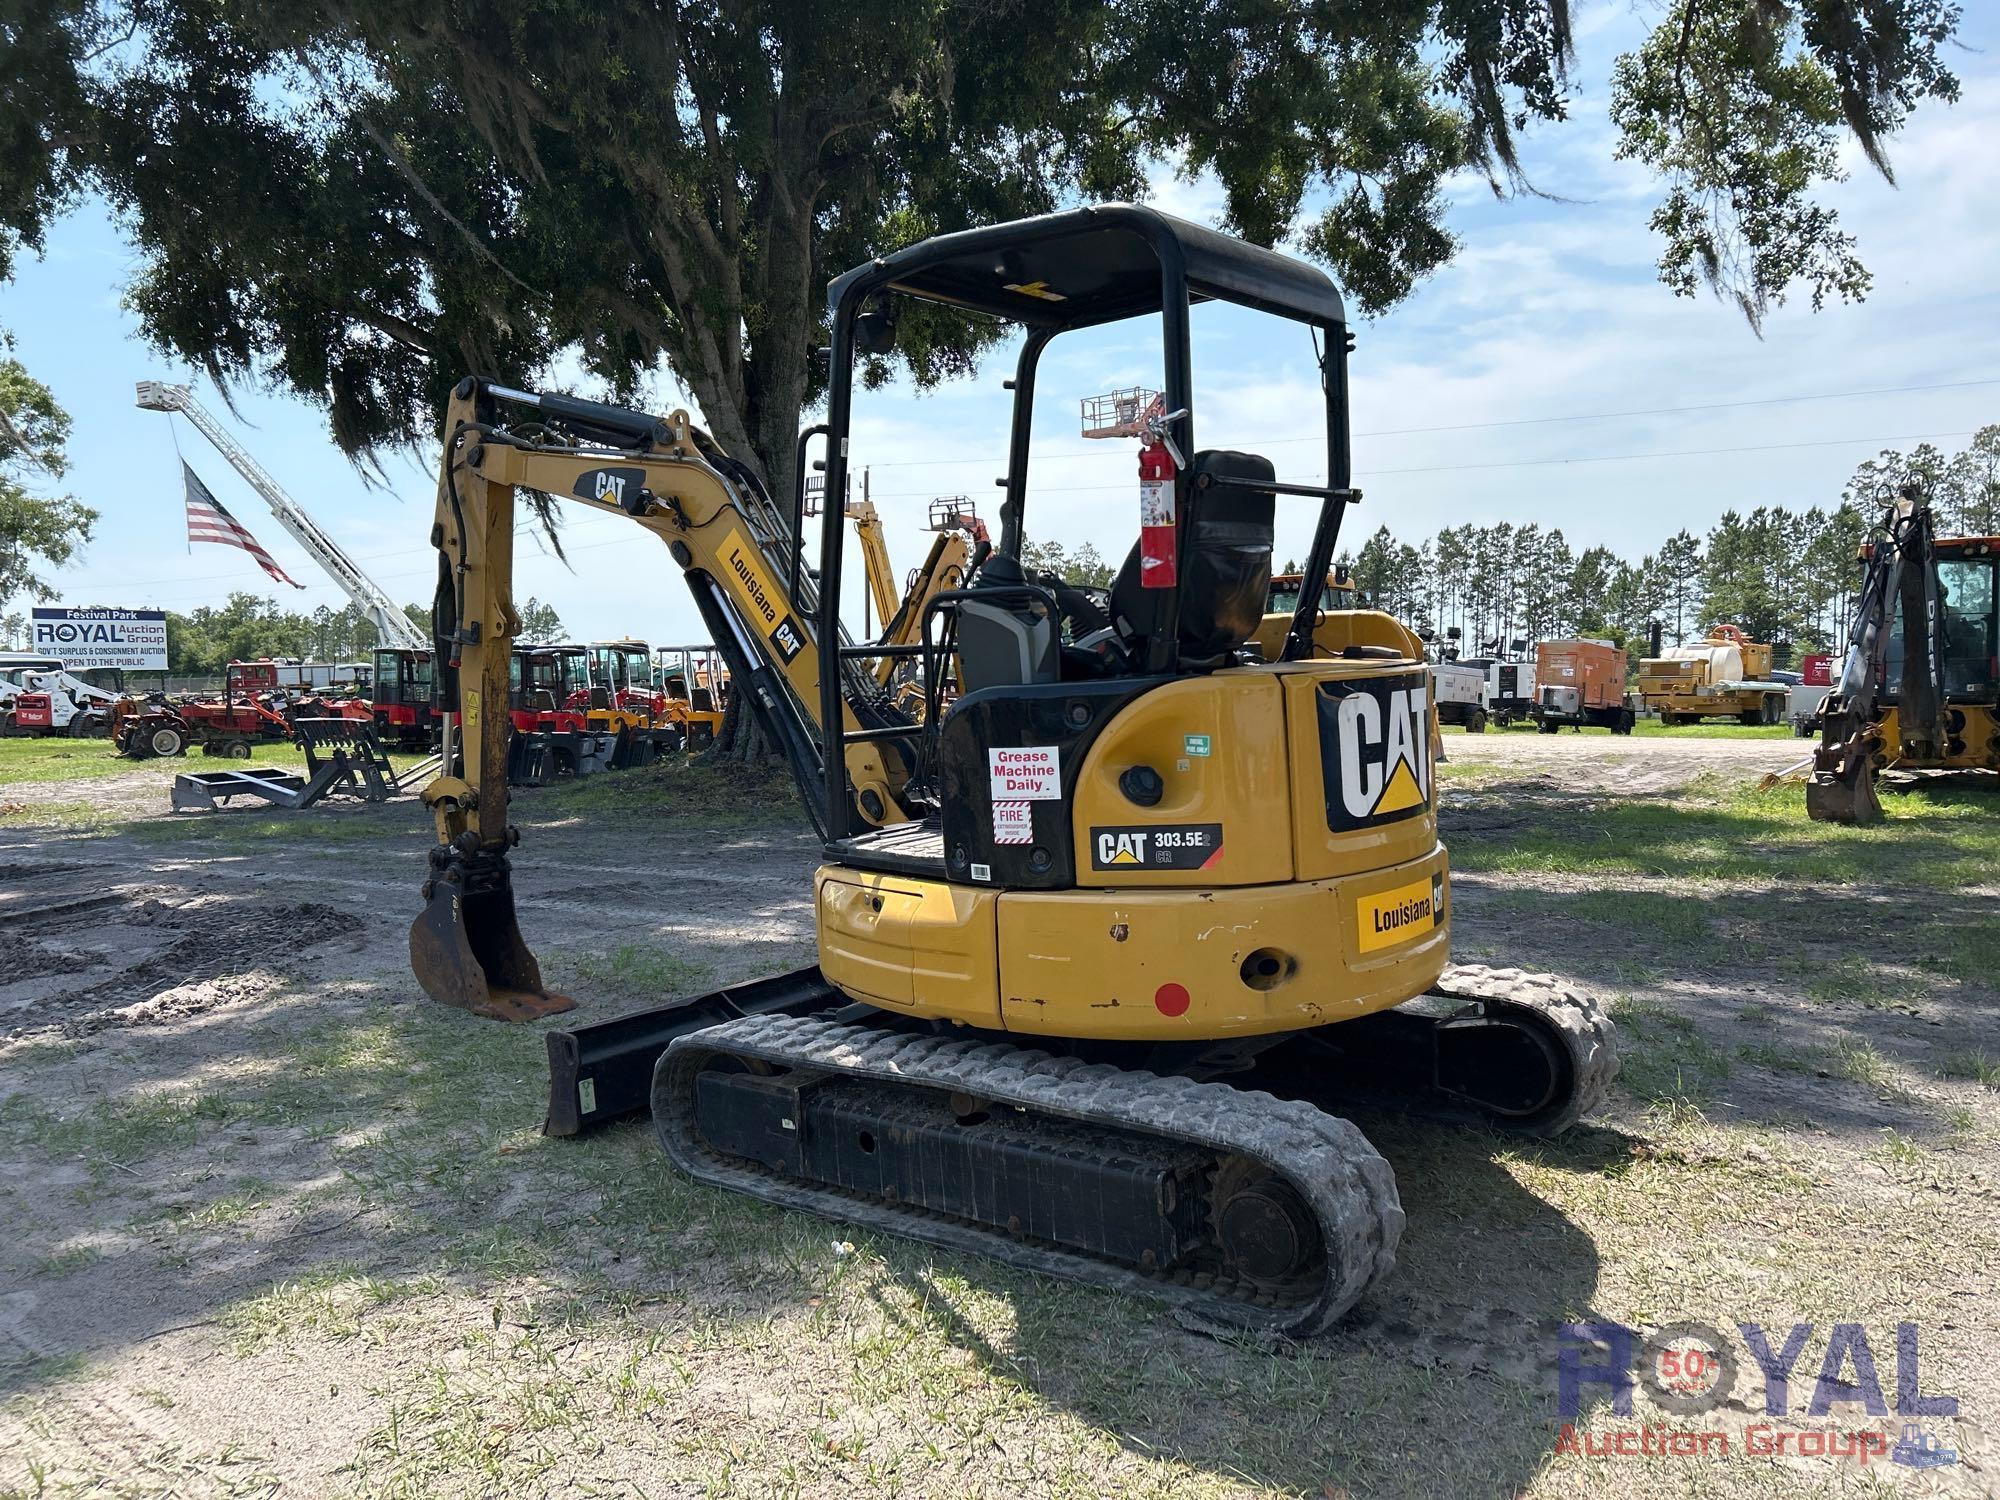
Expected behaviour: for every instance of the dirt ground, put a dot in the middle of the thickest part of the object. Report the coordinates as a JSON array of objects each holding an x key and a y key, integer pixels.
[{"x": 275, "y": 1222}]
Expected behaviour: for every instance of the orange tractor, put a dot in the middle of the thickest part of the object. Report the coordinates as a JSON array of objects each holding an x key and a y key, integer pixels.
[{"x": 251, "y": 711}]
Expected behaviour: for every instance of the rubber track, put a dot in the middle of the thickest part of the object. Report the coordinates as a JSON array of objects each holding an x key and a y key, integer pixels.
[
  {"x": 1349, "y": 1188},
  {"x": 1578, "y": 1021}
]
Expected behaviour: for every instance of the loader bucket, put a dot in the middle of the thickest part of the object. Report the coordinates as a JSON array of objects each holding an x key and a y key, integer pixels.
[
  {"x": 1844, "y": 797},
  {"x": 466, "y": 947}
]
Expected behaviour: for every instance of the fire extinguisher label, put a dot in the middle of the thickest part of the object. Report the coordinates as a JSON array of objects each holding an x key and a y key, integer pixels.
[{"x": 1156, "y": 502}]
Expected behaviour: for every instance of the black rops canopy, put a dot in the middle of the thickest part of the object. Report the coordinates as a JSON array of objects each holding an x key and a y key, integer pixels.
[{"x": 1094, "y": 265}]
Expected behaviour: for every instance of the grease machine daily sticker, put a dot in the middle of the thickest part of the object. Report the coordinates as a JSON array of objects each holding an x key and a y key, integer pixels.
[
  {"x": 1155, "y": 846},
  {"x": 1017, "y": 779},
  {"x": 1375, "y": 749},
  {"x": 1032, "y": 773}
]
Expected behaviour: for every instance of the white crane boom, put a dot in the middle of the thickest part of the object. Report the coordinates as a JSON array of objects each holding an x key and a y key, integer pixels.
[{"x": 392, "y": 626}]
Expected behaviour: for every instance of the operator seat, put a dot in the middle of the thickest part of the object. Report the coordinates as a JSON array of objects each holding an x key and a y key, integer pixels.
[
  {"x": 1006, "y": 642},
  {"x": 1225, "y": 563}
]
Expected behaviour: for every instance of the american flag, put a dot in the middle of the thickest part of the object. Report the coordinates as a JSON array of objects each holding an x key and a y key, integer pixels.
[{"x": 209, "y": 522}]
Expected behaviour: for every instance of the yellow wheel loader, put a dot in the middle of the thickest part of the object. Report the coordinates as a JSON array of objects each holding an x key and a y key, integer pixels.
[{"x": 1108, "y": 941}]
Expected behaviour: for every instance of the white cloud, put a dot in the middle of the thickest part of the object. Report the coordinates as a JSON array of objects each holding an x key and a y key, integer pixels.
[{"x": 1551, "y": 310}]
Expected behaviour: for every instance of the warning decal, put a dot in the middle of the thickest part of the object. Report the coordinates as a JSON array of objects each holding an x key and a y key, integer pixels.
[
  {"x": 1013, "y": 822},
  {"x": 1032, "y": 773}
]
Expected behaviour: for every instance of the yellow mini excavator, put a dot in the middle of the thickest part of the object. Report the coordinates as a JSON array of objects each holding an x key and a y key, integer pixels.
[{"x": 1109, "y": 940}]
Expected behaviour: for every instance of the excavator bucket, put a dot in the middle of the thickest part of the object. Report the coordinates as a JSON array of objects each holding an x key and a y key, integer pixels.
[
  {"x": 1848, "y": 796},
  {"x": 466, "y": 946}
]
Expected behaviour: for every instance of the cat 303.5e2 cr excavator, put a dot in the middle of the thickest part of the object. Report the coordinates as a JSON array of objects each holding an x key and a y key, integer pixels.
[{"x": 1107, "y": 939}]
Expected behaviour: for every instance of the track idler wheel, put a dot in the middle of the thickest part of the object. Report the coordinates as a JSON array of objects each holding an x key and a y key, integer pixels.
[
  {"x": 466, "y": 947},
  {"x": 1263, "y": 1229}
]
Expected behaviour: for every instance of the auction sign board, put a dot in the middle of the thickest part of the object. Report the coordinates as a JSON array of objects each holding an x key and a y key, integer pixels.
[{"x": 133, "y": 639}]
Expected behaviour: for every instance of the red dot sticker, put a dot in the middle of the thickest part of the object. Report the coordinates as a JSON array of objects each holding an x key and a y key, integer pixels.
[{"x": 1171, "y": 999}]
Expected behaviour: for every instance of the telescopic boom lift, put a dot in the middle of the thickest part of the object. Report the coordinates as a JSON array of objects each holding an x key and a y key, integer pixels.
[{"x": 392, "y": 626}]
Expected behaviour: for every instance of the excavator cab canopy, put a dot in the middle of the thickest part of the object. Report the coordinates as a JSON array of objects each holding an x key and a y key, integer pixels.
[
  {"x": 1968, "y": 588},
  {"x": 618, "y": 666},
  {"x": 544, "y": 677},
  {"x": 402, "y": 677},
  {"x": 1080, "y": 269}
]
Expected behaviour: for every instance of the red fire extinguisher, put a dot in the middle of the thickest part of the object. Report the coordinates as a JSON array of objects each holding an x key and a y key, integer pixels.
[{"x": 1157, "y": 565}]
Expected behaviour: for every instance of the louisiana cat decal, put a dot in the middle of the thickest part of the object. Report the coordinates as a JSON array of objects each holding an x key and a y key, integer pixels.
[{"x": 1375, "y": 749}]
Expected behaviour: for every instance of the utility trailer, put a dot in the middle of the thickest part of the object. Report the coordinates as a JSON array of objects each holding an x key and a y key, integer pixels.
[
  {"x": 1458, "y": 689},
  {"x": 1510, "y": 691},
  {"x": 1726, "y": 675},
  {"x": 1581, "y": 683},
  {"x": 1809, "y": 694}
]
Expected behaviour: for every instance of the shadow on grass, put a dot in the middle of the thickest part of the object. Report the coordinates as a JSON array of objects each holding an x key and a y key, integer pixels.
[
  {"x": 1439, "y": 1382},
  {"x": 1827, "y": 994},
  {"x": 346, "y": 1166}
]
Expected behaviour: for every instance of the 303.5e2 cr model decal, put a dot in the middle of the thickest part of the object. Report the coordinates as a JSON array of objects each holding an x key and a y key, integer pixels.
[
  {"x": 1156, "y": 846},
  {"x": 1375, "y": 749}
]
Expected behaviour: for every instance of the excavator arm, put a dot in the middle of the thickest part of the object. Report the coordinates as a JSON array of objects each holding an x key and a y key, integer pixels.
[
  {"x": 670, "y": 479},
  {"x": 874, "y": 558},
  {"x": 1900, "y": 586}
]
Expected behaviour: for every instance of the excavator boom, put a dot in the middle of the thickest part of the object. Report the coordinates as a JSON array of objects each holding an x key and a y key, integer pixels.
[{"x": 670, "y": 479}]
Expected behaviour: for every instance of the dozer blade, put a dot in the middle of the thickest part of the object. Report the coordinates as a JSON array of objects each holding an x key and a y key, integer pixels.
[
  {"x": 1834, "y": 797},
  {"x": 603, "y": 1071},
  {"x": 466, "y": 947}
]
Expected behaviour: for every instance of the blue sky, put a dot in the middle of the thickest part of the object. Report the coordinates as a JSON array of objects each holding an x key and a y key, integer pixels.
[{"x": 1550, "y": 320}]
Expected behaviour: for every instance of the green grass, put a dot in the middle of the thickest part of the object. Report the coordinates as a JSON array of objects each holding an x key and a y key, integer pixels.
[
  {"x": 637, "y": 969},
  {"x": 1848, "y": 1060},
  {"x": 27, "y": 760},
  {"x": 1667, "y": 1063},
  {"x": 68, "y": 1262},
  {"x": 1718, "y": 729},
  {"x": 1654, "y": 729},
  {"x": 1937, "y": 838},
  {"x": 332, "y": 1303},
  {"x": 1776, "y": 1059},
  {"x": 113, "y": 1133},
  {"x": 1684, "y": 923},
  {"x": 694, "y": 789},
  {"x": 1854, "y": 979},
  {"x": 220, "y": 1213},
  {"x": 242, "y": 828},
  {"x": 75, "y": 815},
  {"x": 1901, "y": 1150},
  {"x": 1972, "y": 1066}
]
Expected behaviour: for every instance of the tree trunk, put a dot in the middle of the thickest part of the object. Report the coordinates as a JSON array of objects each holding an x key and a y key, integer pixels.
[{"x": 741, "y": 737}]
